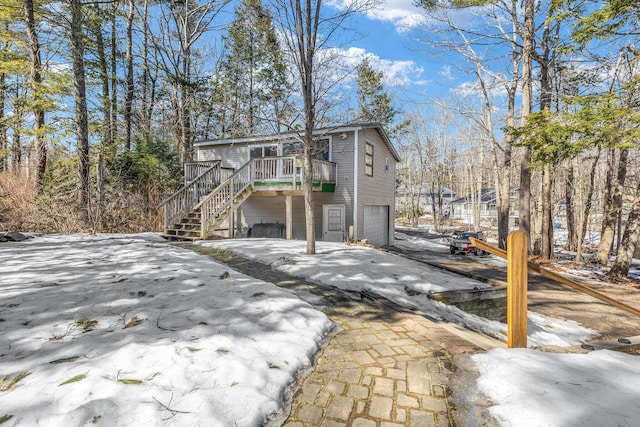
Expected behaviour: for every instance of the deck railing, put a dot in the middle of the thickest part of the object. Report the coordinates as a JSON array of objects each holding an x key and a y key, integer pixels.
[
  {"x": 274, "y": 168},
  {"x": 290, "y": 169},
  {"x": 324, "y": 171},
  {"x": 188, "y": 196}
]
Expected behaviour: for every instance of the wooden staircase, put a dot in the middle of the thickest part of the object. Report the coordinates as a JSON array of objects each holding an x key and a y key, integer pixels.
[
  {"x": 194, "y": 211},
  {"x": 187, "y": 228}
]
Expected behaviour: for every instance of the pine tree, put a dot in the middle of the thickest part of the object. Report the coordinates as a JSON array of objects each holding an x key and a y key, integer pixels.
[
  {"x": 374, "y": 101},
  {"x": 253, "y": 72}
]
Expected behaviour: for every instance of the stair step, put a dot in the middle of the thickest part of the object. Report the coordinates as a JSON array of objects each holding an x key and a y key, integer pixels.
[
  {"x": 179, "y": 238},
  {"x": 185, "y": 225}
]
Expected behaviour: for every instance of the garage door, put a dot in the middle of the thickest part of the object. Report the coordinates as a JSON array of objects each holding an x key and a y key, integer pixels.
[{"x": 376, "y": 224}]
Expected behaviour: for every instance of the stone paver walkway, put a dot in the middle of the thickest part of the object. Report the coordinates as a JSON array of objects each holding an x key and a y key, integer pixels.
[
  {"x": 383, "y": 366},
  {"x": 380, "y": 370}
]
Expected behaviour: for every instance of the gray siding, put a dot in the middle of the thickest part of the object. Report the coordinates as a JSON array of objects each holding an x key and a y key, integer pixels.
[
  {"x": 232, "y": 157},
  {"x": 380, "y": 188},
  {"x": 343, "y": 156}
]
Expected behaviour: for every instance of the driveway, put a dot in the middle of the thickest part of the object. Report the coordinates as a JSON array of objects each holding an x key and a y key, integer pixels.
[{"x": 545, "y": 296}]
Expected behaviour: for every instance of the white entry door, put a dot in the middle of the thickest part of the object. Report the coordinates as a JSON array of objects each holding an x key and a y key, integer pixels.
[{"x": 333, "y": 223}]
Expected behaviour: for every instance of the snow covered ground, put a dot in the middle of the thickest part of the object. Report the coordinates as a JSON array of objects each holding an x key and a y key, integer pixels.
[
  {"x": 124, "y": 330},
  {"x": 356, "y": 268},
  {"x": 129, "y": 331}
]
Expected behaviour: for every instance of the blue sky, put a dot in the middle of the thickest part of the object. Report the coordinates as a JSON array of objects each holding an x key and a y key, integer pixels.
[{"x": 394, "y": 41}]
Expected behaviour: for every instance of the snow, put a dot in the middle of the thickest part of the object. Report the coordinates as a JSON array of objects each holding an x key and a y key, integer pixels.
[
  {"x": 204, "y": 344},
  {"x": 355, "y": 268},
  {"x": 529, "y": 388},
  {"x": 126, "y": 330}
]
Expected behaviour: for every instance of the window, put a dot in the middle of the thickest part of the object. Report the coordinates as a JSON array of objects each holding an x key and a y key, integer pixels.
[
  {"x": 291, "y": 148},
  {"x": 386, "y": 164},
  {"x": 321, "y": 149},
  {"x": 259, "y": 151},
  {"x": 368, "y": 159},
  {"x": 334, "y": 222}
]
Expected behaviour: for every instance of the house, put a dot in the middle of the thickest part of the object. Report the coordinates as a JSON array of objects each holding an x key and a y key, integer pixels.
[
  {"x": 484, "y": 202},
  {"x": 405, "y": 197},
  {"x": 252, "y": 185}
]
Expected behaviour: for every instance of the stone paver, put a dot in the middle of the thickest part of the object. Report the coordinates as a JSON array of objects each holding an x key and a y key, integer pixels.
[{"x": 384, "y": 367}]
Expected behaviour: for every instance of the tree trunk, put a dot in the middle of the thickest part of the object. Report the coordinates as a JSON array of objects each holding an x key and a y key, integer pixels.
[
  {"x": 36, "y": 87},
  {"x": 185, "y": 116},
  {"x": 100, "y": 188},
  {"x": 608, "y": 186},
  {"x": 587, "y": 207},
  {"x": 16, "y": 148},
  {"x": 572, "y": 231},
  {"x": 434, "y": 208},
  {"x": 629, "y": 240},
  {"x": 82, "y": 129},
  {"x": 524, "y": 213},
  {"x": 309, "y": 202},
  {"x": 503, "y": 177},
  {"x": 114, "y": 74},
  {"x": 547, "y": 225},
  {"x": 107, "y": 140},
  {"x": 128, "y": 103},
  {"x": 611, "y": 216},
  {"x": 536, "y": 223},
  {"x": 3, "y": 127},
  {"x": 145, "y": 113}
]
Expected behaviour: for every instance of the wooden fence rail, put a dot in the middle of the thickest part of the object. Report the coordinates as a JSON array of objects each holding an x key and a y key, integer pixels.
[{"x": 517, "y": 265}]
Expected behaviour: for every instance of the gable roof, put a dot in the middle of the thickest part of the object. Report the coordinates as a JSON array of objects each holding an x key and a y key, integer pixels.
[
  {"x": 426, "y": 190},
  {"x": 319, "y": 131},
  {"x": 486, "y": 195}
]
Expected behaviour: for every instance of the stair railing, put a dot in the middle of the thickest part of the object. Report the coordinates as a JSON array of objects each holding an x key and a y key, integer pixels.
[
  {"x": 222, "y": 198},
  {"x": 194, "y": 169},
  {"x": 190, "y": 195}
]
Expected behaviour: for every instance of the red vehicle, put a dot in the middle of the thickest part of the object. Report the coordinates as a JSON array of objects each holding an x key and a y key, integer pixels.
[{"x": 462, "y": 244}]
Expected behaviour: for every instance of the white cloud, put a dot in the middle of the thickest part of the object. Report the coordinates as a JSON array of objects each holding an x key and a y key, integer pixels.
[
  {"x": 402, "y": 13},
  {"x": 446, "y": 73},
  {"x": 494, "y": 87},
  {"x": 396, "y": 73}
]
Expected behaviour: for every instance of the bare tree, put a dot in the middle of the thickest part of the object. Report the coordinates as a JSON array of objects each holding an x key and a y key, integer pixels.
[
  {"x": 182, "y": 25},
  {"x": 80, "y": 95},
  {"x": 625, "y": 73},
  {"x": 528, "y": 52},
  {"x": 128, "y": 100},
  {"x": 503, "y": 17},
  {"x": 308, "y": 29},
  {"x": 36, "y": 87},
  {"x": 629, "y": 241}
]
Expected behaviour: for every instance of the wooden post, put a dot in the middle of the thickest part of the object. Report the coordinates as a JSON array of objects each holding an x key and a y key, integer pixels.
[
  {"x": 238, "y": 222},
  {"x": 288, "y": 203},
  {"x": 232, "y": 222},
  {"x": 517, "y": 258}
]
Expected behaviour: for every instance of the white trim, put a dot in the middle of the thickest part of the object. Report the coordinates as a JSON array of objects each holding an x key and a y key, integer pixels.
[
  {"x": 355, "y": 185},
  {"x": 325, "y": 222}
]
